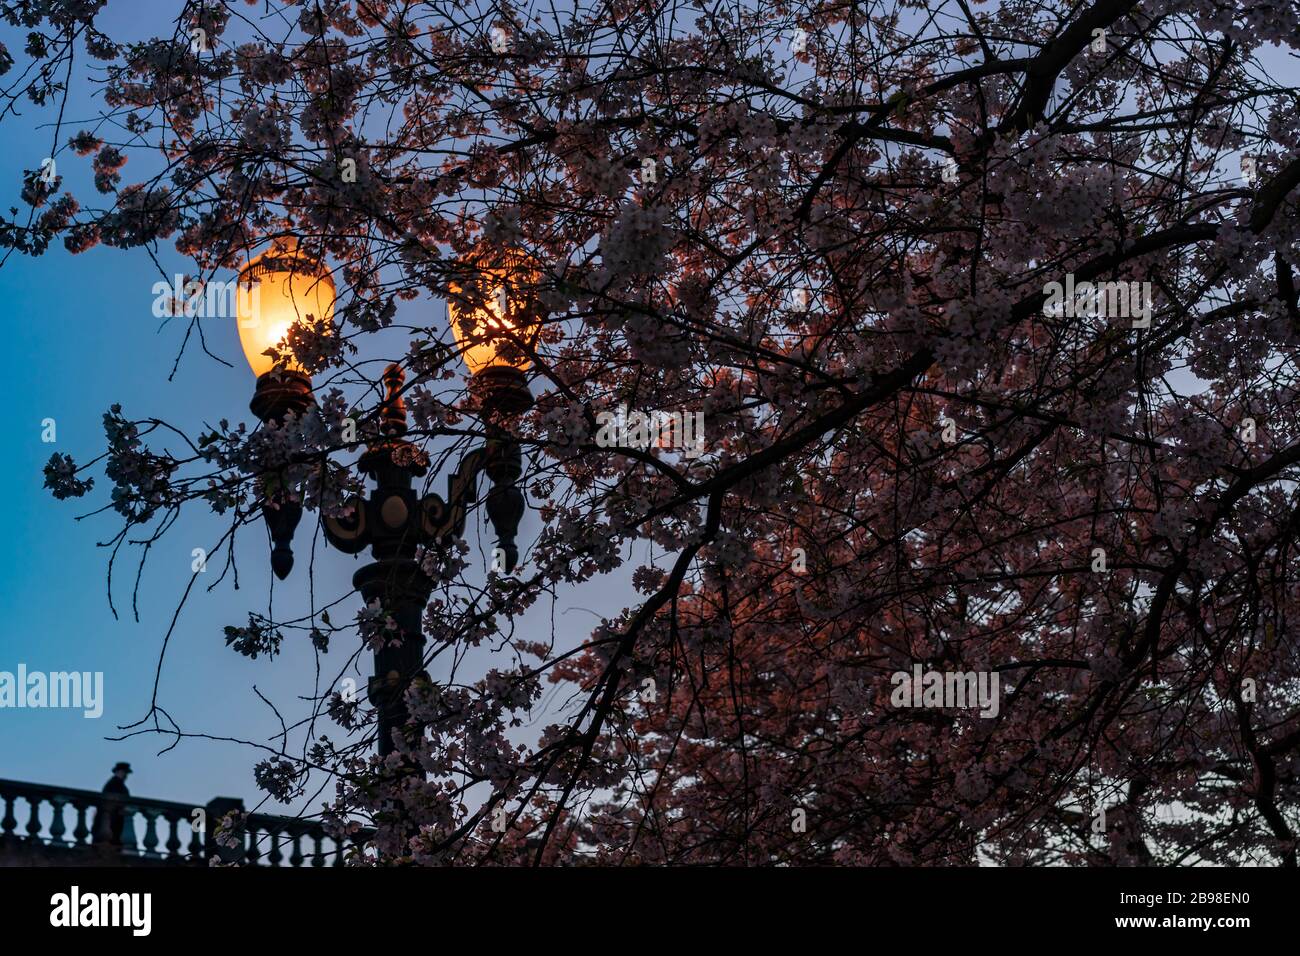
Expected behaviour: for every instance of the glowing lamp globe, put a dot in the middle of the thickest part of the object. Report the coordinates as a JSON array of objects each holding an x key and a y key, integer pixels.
[{"x": 278, "y": 288}]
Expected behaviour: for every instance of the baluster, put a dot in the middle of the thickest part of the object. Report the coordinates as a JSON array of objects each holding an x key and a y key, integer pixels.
[
  {"x": 130, "y": 843},
  {"x": 151, "y": 834},
  {"x": 34, "y": 821},
  {"x": 9, "y": 824},
  {"x": 57, "y": 828},
  {"x": 174, "y": 835},
  {"x": 251, "y": 854},
  {"x": 338, "y": 853},
  {"x": 318, "y": 855},
  {"x": 295, "y": 857},
  {"x": 197, "y": 849},
  {"x": 80, "y": 832},
  {"x": 275, "y": 856}
]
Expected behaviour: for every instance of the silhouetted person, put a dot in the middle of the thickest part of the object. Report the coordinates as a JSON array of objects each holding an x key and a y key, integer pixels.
[{"x": 109, "y": 818}]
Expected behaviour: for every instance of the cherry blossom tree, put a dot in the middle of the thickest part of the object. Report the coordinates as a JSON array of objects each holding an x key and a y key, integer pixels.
[{"x": 840, "y": 232}]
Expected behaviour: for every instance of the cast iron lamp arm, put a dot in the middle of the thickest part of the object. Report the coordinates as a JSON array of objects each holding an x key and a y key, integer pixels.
[
  {"x": 500, "y": 459},
  {"x": 440, "y": 522}
]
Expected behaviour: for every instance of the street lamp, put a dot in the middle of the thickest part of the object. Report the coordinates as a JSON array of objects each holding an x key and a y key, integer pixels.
[
  {"x": 276, "y": 289},
  {"x": 393, "y": 521}
]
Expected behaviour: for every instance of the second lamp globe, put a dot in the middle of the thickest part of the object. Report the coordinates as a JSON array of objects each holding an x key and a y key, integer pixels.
[{"x": 494, "y": 315}]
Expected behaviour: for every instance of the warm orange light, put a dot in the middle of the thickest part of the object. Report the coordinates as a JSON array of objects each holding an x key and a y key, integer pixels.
[
  {"x": 495, "y": 307},
  {"x": 278, "y": 288}
]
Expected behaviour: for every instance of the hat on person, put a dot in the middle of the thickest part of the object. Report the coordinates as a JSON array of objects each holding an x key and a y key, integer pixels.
[{"x": 122, "y": 766}]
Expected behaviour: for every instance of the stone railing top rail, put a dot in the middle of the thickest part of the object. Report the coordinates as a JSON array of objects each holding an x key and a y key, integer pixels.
[{"x": 170, "y": 809}]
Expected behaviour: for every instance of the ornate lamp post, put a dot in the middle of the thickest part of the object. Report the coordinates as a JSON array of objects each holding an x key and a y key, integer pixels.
[{"x": 393, "y": 521}]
